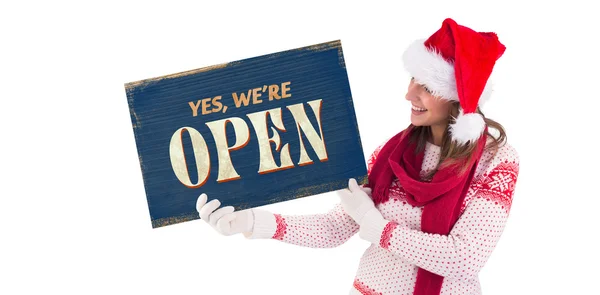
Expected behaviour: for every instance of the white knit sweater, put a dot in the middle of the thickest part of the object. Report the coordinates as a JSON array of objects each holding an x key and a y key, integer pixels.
[{"x": 390, "y": 266}]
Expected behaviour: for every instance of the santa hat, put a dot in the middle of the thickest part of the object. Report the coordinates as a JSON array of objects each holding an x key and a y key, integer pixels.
[{"x": 455, "y": 63}]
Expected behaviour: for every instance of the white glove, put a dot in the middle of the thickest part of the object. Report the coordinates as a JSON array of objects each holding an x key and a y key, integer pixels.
[
  {"x": 356, "y": 200},
  {"x": 224, "y": 220},
  {"x": 358, "y": 203}
]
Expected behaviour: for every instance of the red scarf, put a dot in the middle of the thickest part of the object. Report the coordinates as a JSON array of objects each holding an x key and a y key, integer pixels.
[{"x": 441, "y": 197}]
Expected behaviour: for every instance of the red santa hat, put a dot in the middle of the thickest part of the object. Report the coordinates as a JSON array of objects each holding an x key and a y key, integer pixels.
[{"x": 455, "y": 63}]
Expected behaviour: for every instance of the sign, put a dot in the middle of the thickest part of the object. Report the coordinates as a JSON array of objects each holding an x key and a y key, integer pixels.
[{"x": 250, "y": 133}]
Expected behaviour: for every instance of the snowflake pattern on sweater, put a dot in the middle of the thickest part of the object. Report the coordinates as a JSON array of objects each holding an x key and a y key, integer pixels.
[{"x": 390, "y": 266}]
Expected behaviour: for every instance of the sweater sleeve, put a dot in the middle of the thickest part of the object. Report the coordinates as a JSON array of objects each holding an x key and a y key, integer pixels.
[
  {"x": 462, "y": 253},
  {"x": 327, "y": 230}
]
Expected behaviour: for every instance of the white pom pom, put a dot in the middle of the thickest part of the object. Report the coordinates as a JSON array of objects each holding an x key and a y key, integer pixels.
[{"x": 468, "y": 127}]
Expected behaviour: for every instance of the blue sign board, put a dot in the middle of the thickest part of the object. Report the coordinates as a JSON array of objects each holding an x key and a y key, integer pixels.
[{"x": 250, "y": 133}]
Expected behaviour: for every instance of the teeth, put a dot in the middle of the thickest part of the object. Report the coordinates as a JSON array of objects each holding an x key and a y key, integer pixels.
[{"x": 418, "y": 109}]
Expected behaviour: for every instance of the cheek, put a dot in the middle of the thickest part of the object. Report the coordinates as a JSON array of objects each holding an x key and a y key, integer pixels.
[{"x": 439, "y": 109}]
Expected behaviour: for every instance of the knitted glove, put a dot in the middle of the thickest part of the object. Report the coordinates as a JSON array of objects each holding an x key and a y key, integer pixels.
[
  {"x": 357, "y": 203},
  {"x": 356, "y": 200},
  {"x": 224, "y": 220}
]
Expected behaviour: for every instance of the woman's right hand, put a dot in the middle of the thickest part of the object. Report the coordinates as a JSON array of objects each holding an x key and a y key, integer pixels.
[{"x": 225, "y": 220}]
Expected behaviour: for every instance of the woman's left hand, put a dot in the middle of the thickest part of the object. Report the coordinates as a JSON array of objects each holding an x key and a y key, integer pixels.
[
  {"x": 356, "y": 200},
  {"x": 357, "y": 203}
]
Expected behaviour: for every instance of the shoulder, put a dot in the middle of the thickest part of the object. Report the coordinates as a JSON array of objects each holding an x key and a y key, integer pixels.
[
  {"x": 497, "y": 172},
  {"x": 507, "y": 152},
  {"x": 496, "y": 178},
  {"x": 504, "y": 156}
]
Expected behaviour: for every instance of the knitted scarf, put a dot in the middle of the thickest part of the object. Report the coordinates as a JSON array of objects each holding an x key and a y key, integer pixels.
[{"x": 441, "y": 197}]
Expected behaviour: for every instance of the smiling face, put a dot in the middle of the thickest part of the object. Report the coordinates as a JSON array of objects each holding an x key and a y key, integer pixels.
[{"x": 427, "y": 110}]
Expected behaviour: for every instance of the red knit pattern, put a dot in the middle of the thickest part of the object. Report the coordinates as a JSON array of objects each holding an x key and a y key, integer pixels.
[
  {"x": 458, "y": 257},
  {"x": 364, "y": 289},
  {"x": 386, "y": 235},
  {"x": 281, "y": 227},
  {"x": 497, "y": 185}
]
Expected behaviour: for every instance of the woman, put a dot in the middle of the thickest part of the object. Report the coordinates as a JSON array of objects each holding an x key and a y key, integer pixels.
[{"x": 439, "y": 192}]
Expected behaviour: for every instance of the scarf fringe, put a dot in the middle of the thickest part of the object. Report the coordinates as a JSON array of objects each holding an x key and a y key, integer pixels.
[{"x": 380, "y": 195}]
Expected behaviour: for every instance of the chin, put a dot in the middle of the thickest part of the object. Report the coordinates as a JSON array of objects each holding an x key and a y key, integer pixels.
[{"x": 418, "y": 122}]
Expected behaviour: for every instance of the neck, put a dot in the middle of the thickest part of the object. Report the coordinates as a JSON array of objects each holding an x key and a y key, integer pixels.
[{"x": 437, "y": 133}]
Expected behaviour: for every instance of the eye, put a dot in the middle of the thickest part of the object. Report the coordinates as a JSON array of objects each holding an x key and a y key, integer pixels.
[
  {"x": 426, "y": 89},
  {"x": 422, "y": 85}
]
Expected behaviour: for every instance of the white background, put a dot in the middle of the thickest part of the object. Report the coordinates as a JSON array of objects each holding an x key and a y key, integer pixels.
[{"x": 73, "y": 212}]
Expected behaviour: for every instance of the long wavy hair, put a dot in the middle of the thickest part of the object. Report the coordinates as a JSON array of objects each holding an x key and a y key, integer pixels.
[{"x": 452, "y": 153}]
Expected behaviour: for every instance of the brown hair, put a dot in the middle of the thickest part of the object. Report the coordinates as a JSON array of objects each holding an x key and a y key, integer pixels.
[{"x": 452, "y": 153}]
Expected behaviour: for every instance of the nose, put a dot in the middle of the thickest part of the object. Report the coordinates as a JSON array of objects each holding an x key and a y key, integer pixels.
[{"x": 412, "y": 94}]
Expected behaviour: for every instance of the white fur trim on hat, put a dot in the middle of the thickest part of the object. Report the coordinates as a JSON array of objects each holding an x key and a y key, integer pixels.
[
  {"x": 431, "y": 69},
  {"x": 467, "y": 127}
]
